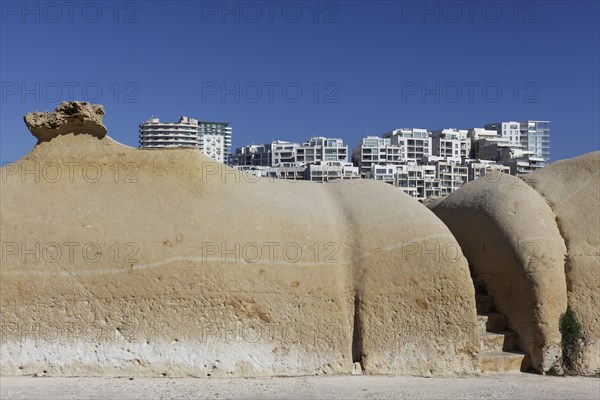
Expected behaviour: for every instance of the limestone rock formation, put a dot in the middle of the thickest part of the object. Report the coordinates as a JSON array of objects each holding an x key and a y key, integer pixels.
[
  {"x": 572, "y": 188},
  {"x": 535, "y": 245},
  {"x": 123, "y": 261},
  {"x": 509, "y": 236},
  {"x": 68, "y": 117}
]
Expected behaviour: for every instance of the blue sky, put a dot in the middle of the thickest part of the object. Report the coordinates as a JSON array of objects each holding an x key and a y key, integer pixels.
[{"x": 294, "y": 69}]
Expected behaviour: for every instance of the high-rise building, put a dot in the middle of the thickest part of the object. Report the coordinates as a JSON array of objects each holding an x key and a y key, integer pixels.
[
  {"x": 529, "y": 141},
  {"x": 184, "y": 133},
  {"x": 211, "y": 138},
  {"x": 535, "y": 137},
  {"x": 215, "y": 140}
]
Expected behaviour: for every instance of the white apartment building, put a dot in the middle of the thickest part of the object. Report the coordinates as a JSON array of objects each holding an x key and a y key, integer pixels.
[
  {"x": 211, "y": 138},
  {"x": 452, "y": 173},
  {"x": 415, "y": 142},
  {"x": 373, "y": 150},
  {"x": 510, "y": 130},
  {"x": 215, "y": 140},
  {"x": 283, "y": 152},
  {"x": 484, "y": 143},
  {"x": 326, "y": 171},
  {"x": 382, "y": 172},
  {"x": 322, "y": 171},
  {"x": 416, "y": 180},
  {"x": 319, "y": 159},
  {"x": 419, "y": 181},
  {"x": 320, "y": 148},
  {"x": 253, "y": 155},
  {"x": 156, "y": 134},
  {"x": 520, "y": 161},
  {"x": 478, "y": 168},
  {"x": 531, "y": 135},
  {"x": 451, "y": 143}
]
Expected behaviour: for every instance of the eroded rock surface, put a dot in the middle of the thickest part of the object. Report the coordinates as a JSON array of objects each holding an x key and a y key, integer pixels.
[
  {"x": 509, "y": 235},
  {"x": 68, "y": 117},
  {"x": 152, "y": 262},
  {"x": 535, "y": 243},
  {"x": 572, "y": 188}
]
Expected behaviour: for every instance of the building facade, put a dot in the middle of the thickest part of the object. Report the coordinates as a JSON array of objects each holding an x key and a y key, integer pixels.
[
  {"x": 415, "y": 143},
  {"x": 373, "y": 150},
  {"x": 535, "y": 137},
  {"x": 319, "y": 159},
  {"x": 510, "y": 130},
  {"x": 215, "y": 140},
  {"x": 211, "y": 138},
  {"x": 479, "y": 168},
  {"x": 420, "y": 162},
  {"x": 320, "y": 148},
  {"x": 156, "y": 134},
  {"x": 253, "y": 155},
  {"x": 451, "y": 144}
]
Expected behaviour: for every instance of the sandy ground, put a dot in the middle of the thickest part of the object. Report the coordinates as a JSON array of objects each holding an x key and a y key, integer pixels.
[{"x": 509, "y": 386}]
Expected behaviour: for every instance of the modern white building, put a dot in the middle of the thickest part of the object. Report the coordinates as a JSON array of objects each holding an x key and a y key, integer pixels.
[
  {"x": 327, "y": 171},
  {"x": 283, "y": 152},
  {"x": 280, "y": 152},
  {"x": 211, "y": 138},
  {"x": 373, "y": 150},
  {"x": 184, "y": 133},
  {"x": 520, "y": 161},
  {"x": 320, "y": 148},
  {"x": 535, "y": 137},
  {"x": 319, "y": 159},
  {"x": 451, "y": 172},
  {"x": 479, "y": 168},
  {"x": 485, "y": 143},
  {"x": 322, "y": 171},
  {"x": 415, "y": 142},
  {"x": 451, "y": 143},
  {"x": 419, "y": 181},
  {"x": 416, "y": 180},
  {"x": 510, "y": 130},
  {"x": 253, "y": 155},
  {"x": 530, "y": 135},
  {"x": 215, "y": 140}
]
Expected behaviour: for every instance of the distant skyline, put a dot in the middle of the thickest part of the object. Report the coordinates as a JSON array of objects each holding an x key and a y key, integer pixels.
[{"x": 291, "y": 70}]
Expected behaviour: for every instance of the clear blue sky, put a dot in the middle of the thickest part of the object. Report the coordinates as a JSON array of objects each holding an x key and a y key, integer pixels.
[{"x": 363, "y": 67}]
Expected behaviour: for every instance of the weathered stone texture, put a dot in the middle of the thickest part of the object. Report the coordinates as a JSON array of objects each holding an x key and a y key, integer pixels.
[
  {"x": 513, "y": 245},
  {"x": 174, "y": 264},
  {"x": 68, "y": 117},
  {"x": 572, "y": 188}
]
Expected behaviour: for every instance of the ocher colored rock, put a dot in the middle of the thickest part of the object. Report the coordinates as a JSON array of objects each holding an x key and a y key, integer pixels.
[
  {"x": 121, "y": 261},
  {"x": 509, "y": 235},
  {"x": 68, "y": 117},
  {"x": 572, "y": 188}
]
